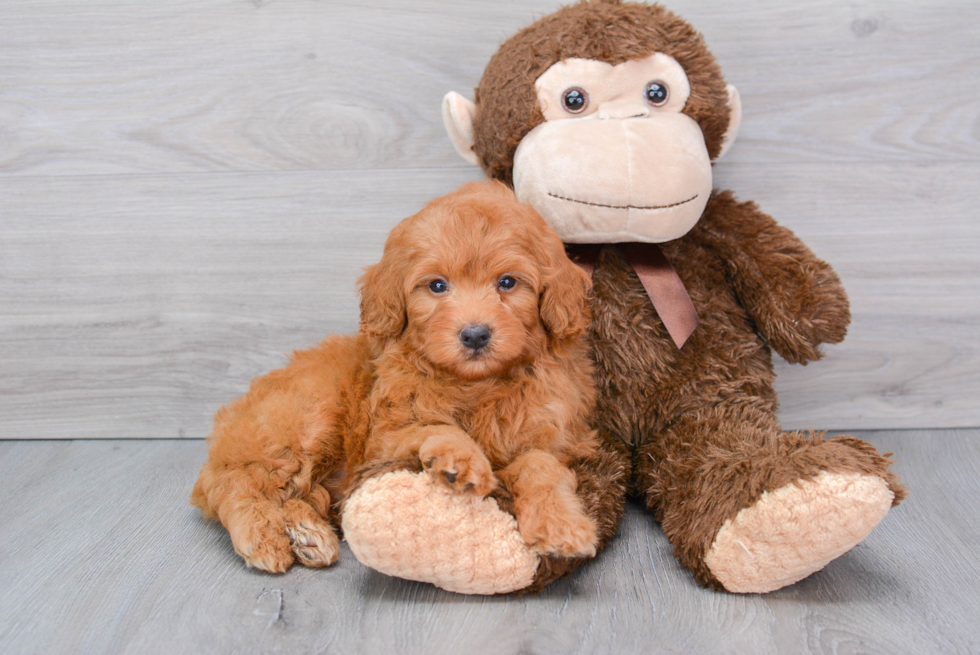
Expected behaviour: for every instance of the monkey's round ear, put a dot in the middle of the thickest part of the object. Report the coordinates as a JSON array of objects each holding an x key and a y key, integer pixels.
[
  {"x": 458, "y": 115},
  {"x": 734, "y": 120}
]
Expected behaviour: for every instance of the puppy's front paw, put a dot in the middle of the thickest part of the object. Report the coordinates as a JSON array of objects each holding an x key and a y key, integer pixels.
[
  {"x": 558, "y": 530},
  {"x": 457, "y": 462}
]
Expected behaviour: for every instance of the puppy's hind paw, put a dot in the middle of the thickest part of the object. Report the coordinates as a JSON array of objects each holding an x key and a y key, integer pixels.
[
  {"x": 257, "y": 535},
  {"x": 311, "y": 539},
  {"x": 272, "y": 555}
]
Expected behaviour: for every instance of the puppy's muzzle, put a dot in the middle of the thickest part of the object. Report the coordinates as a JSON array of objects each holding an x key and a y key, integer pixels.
[{"x": 475, "y": 337}]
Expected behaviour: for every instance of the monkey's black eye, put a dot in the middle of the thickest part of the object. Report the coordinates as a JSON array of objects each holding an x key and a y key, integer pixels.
[
  {"x": 575, "y": 100},
  {"x": 506, "y": 282},
  {"x": 656, "y": 93},
  {"x": 438, "y": 286}
]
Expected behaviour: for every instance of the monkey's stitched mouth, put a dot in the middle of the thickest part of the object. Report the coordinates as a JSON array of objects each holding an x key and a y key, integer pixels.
[{"x": 596, "y": 204}]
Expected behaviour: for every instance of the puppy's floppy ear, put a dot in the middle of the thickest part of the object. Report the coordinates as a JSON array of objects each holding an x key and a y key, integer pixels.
[
  {"x": 383, "y": 310},
  {"x": 563, "y": 306}
]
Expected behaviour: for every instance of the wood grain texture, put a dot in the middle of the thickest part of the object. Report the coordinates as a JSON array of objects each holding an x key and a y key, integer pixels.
[
  {"x": 100, "y": 552},
  {"x": 135, "y": 307},
  {"x": 143, "y": 303},
  {"x": 184, "y": 86},
  {"x": 189, "y": 190}
]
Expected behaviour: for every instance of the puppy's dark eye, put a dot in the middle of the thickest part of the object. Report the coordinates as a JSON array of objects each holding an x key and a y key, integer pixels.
[
  {"x": 506, "y": 282},
  {"x": 575, "y": 100},
  {"x": 656, "y": 93},
  {"x": 438, "y": 286}
]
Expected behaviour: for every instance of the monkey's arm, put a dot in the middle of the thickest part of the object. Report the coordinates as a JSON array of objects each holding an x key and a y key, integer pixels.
[{"x": 796, "y": 299}]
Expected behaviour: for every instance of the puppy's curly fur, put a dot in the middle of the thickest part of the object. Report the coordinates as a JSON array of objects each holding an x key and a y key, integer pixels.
[{"x": 510, "y": 404}]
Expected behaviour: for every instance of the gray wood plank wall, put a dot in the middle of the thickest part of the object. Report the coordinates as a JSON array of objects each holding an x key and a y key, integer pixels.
[{"x": 188, "y": 190}]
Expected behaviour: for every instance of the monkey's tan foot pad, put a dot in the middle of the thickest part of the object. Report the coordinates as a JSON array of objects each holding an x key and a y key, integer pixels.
[
  {"x": 795, "y": 530},
  {"x": 404, "y": 525}
]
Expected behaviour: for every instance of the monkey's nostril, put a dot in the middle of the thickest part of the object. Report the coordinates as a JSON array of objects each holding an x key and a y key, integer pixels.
[{"x": 475, "y": 337}]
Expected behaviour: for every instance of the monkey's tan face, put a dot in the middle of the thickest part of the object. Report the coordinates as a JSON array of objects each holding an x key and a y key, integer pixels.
[{"x": 615, "y": 159}]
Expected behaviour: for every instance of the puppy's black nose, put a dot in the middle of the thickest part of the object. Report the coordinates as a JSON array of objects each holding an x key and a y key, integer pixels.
[{"x": 475, "y": 337}]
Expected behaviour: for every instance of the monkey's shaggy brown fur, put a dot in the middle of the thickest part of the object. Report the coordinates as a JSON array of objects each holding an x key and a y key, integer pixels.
[
  {"x": 696, "y": 428},
  {"x": 698, "y": 424}
]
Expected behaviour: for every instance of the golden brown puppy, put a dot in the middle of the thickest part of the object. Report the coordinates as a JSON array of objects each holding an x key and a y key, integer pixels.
[{"x": 471, "y": 357}]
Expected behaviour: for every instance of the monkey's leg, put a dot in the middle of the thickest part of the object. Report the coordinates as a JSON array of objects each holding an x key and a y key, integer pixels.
[{"x": 749, "y": 508}]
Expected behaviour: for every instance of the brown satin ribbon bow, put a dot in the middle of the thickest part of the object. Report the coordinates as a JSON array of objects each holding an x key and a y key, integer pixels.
[{"x": 662, "y": 284}]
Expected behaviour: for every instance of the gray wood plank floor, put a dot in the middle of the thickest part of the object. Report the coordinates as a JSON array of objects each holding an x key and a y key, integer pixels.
[
  {"x": 189, "y": 189},
  {"x": 100, "y": 552}
]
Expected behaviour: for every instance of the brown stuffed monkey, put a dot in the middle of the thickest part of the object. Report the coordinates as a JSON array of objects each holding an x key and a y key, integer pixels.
[{"x": 606, "y": 117}]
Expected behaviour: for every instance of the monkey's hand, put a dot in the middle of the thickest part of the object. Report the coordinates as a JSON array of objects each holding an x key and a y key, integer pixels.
[{"x": 796, "y": 299}]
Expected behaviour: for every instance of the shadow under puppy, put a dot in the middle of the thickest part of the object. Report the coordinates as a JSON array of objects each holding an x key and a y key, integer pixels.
[{"x": 471, "y": 357}]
